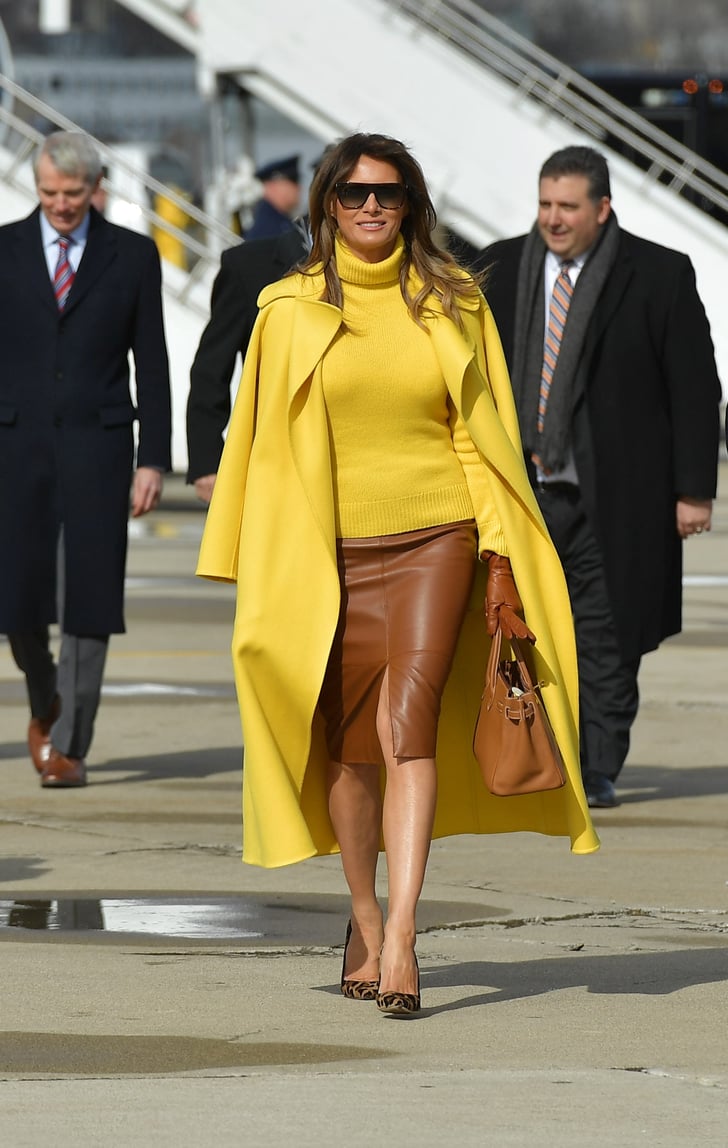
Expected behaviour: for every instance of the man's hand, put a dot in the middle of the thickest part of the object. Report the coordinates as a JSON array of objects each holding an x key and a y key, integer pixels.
[
  {"x": 693, "y": 515},
  {"x": 146, "y": 490},
  {"x": 204, "y": 487}
]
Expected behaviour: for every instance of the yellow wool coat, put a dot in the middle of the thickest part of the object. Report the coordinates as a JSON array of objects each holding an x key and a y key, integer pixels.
[{"x": 270, "y": 527}]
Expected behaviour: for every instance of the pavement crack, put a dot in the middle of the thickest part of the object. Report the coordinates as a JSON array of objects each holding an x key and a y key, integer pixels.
[
  {"x": 644, "y": 1070},
  {"x": 703, "y": 920},
  {"x": 48, "y": 824},
  {"x": 236, "y": 952},
  {"x": 178, "y": 847}
]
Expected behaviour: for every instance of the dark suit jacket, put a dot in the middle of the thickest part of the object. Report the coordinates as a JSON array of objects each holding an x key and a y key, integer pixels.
[
  {"x": 244, "y": 272},
  {"x": 268, "y": 222},
  {"x": 645, "y": 425},
  {"x": 67, "y": 420}
]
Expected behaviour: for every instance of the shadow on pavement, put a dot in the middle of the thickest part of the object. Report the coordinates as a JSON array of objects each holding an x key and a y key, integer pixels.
[
  {"x": 659, "y": 783},
  {"x": 646, "y": 974},
  {"x": 198, "y": 763},
  {"x": 15, "y": 869},
  {"x": 12, "y": 750}
]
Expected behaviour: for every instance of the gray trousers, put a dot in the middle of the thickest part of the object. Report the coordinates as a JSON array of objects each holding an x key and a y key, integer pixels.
[{"x": 76, "y": 679}]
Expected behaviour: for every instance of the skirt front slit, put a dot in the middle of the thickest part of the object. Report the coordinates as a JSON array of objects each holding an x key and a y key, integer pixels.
[{"x": 403, "y": 600}]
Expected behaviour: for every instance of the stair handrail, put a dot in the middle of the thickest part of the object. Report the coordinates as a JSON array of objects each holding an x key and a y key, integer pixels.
[
  {"x": 211, "y": 225},
  {"x": 535, "y": 73}
]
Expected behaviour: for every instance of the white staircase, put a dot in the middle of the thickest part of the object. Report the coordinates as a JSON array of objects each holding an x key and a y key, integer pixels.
[{"x": 479, "y": 105}]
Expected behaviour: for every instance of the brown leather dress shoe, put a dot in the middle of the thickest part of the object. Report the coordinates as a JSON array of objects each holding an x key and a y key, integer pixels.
[
  {"x": 39, "y": 736},
  {"x": 63, "y": 772}
]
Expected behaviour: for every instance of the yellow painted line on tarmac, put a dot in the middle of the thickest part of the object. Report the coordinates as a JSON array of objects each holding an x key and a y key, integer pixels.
[{"x": 166, "y": 530}]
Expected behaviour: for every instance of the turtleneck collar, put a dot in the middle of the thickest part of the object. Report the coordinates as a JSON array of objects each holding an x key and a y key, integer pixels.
[{"x": 354, "y": 270}]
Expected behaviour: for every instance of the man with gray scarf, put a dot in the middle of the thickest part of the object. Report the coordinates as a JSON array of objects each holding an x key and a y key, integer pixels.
[{"x": 615, "y": 381}]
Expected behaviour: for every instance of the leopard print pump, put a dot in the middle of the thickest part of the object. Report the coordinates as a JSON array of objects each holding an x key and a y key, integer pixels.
[
  {"x": 400, "y": 1004},
  {"x": 356, "y": 990}
]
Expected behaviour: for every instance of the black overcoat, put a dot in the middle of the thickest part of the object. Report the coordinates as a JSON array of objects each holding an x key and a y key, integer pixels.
[
  {"x": 67, "y": 419},
  {"x": 645, "y": 426},
  {"x": 244, "y": 272}
]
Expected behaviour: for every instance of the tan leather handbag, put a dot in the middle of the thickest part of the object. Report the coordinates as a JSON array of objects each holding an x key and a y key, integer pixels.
[{"x": 513, "y": 741}]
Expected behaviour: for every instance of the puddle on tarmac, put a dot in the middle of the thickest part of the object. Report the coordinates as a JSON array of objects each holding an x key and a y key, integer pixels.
[
  {"x": 109, "y": 1054},
  {"x": 262, "y": 920},
  {"x": 222, "y": 918}
]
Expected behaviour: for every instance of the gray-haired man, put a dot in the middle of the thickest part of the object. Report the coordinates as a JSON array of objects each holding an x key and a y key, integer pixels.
[{"x": 77, "y": 294}]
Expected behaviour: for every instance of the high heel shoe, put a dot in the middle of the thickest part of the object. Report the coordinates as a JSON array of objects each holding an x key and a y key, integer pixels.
[
  {"x": 400, "y": 1004},
  {"x": 356, "y": 990}
]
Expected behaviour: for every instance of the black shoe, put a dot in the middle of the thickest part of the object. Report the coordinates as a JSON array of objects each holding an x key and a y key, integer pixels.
[{"x": 600, "y": 792}]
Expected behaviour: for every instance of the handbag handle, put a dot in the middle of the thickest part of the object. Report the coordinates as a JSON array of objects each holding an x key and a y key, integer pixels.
[
  {"x": 522, "y": 664},
  {"x": 491, "y": 672}
]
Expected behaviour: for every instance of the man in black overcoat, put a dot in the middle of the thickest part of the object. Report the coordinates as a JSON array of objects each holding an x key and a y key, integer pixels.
[
  {"x": 77, "y": 294},
  {"x": 244, "y": 272},
  {"x": 615, "y": 381}
]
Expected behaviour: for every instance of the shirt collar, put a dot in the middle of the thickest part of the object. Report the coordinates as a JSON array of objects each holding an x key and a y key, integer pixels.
[
  {"x": 554, "y": 262},
  {"x": 49, "y": 234}
]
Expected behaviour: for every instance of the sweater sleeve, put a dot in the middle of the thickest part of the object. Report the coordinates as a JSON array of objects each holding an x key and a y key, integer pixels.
[{"x": 490, "y": 530}]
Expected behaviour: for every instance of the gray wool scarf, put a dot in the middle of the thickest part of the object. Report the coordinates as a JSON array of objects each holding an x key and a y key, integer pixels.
[{"x": 552, "y": 444}]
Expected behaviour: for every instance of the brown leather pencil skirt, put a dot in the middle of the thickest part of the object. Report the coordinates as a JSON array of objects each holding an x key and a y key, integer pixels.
[{"x": 403, "y": 600}]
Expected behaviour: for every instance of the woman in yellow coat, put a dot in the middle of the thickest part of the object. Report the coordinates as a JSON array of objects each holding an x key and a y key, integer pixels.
[{"x": 372, "y": 457}]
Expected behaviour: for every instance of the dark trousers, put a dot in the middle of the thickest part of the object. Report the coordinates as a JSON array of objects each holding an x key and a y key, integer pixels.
[
  {"x": 77, "y": 679},
  {"x": 608, "y": 693}
]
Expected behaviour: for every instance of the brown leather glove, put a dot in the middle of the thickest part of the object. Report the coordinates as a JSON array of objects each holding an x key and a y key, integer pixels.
[{"x": 502, "y": 601}]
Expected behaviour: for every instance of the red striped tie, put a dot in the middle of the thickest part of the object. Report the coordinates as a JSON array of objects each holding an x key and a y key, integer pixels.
[
  {"x": 64, "y": 274},
  {"x": 558, "y": 310}
]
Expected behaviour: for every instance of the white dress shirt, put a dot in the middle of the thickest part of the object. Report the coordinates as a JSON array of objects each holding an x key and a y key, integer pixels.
[{"x": 50, "y": 238}]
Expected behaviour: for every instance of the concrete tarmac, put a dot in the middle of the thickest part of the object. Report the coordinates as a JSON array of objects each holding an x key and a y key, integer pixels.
[{"x": 157, "y": 992}]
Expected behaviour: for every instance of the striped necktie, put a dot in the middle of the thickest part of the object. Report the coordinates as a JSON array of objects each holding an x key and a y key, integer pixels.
[
  {"x": 558, "y": 310},
  {"x": 64, "y": 274}
]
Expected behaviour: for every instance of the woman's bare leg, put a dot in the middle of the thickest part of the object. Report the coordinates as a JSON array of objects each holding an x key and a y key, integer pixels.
[
  {"x": 408, "y": 815},
  {"x": 355, "y": 808}
]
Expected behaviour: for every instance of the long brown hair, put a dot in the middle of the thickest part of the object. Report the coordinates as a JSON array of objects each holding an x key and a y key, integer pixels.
[{"x": 440, "y": 274}]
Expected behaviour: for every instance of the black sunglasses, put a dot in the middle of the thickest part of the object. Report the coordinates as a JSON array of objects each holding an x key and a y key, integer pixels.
[{"x": 390, "y": 196}]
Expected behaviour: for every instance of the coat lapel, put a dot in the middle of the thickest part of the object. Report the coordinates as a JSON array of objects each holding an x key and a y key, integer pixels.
[
  {"x": 99, "y": 252},
  {"x": 488, "y": 410},
  {"x": 31, "y": 261},
  {"x": 314, "y": 326},
  {"x": 612, "y": 294}
]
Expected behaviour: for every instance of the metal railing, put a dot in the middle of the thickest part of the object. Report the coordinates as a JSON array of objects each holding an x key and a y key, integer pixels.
[
  {"x": 537, "y": 75},
  {"x": 19, "y": 139}
]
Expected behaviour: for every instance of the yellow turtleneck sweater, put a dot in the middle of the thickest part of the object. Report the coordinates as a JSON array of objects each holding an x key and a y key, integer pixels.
[{"x": 401, "y": 456}]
